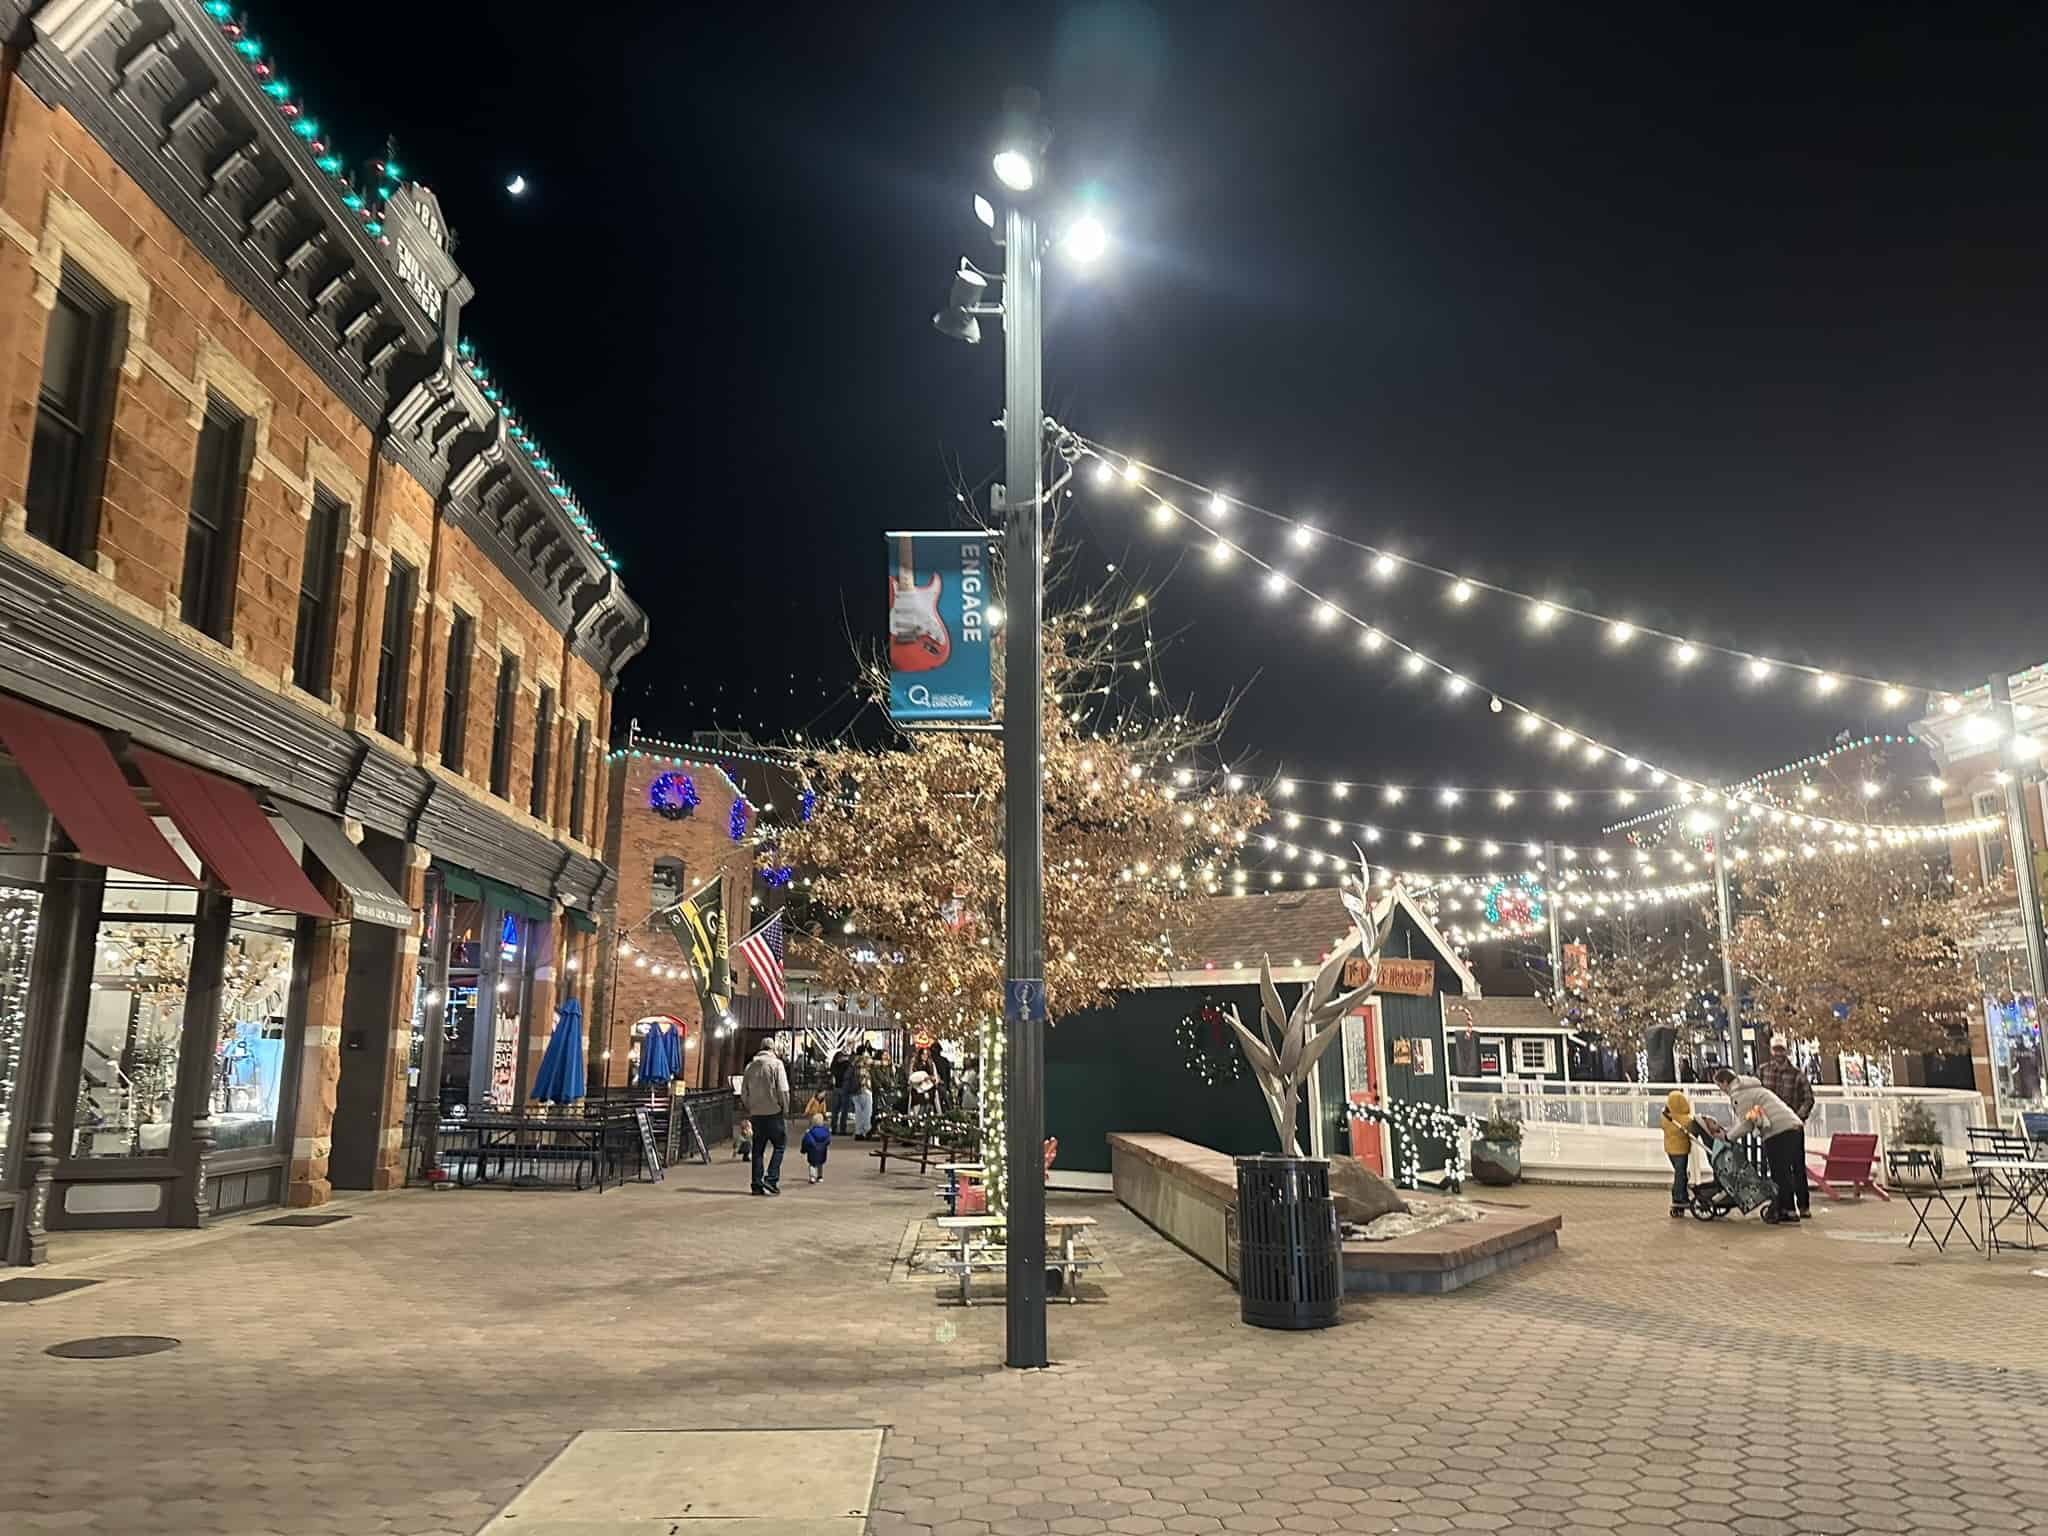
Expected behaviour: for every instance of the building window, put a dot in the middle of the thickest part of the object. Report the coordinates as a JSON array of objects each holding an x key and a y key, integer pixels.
[
  {"x": 455, "y": 691},
  {"x": 394, "y": 648},
  {"x": 501, "y": 724},
  {"x": 577, "y": 771},
  {"x": 543, "y": 745},
  {"x": 74, "y": 410},
  {"x": 1991, "y": 846},
  {"x": 213, "y": 534},
  {"x": 319, "y": 586},
  {"x": 249, "y": 1049},
  {"x": 1534, "y": 1056},
  {"x": 665, "y": 885},
  {"x": 125, "y": 1105}
]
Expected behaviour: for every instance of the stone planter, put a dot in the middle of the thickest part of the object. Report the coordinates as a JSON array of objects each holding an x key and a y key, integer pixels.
[{"x": 1496, "y": 1162}]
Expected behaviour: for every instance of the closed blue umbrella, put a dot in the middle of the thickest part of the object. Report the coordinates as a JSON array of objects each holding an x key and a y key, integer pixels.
[
  {"x": 560, "y": 1079},
  {"x": 661, "y": 1050}
]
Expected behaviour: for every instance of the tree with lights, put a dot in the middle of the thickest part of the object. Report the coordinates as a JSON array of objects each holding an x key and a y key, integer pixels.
[
  {"x": 905, "y": 848},
  {"x": 1858, "y": 945},
  {"x": 1643, "y": 969}
]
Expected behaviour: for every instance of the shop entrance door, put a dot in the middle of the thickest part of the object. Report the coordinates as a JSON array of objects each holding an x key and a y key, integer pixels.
[
  {"x": 367, "y": 1021},
  {"x": 1362, "y": 1083}
]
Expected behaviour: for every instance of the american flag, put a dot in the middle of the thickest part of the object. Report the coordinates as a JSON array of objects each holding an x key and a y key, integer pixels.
[{"x": 762, "y": 950}]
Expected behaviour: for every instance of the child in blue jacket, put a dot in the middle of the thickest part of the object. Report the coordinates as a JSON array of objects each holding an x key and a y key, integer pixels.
[{"x": 817, "y": 1142}]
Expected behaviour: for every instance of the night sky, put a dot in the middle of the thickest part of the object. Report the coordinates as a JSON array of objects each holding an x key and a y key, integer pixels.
[{"x": 1728, "y": 323}]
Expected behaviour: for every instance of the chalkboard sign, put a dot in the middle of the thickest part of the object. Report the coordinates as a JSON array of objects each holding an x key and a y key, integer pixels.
[
  {"x": 696, "y": 1131},
  {"x": 651, "y": 1158}
]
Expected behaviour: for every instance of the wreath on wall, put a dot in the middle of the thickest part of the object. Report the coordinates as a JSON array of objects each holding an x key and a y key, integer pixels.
[
  {"x": 1206, "y": 1051},
  {"x": 672, "y": 795}
]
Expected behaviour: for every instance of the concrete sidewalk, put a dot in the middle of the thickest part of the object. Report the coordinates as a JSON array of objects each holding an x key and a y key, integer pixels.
[{"x": 413, "y": 1368}]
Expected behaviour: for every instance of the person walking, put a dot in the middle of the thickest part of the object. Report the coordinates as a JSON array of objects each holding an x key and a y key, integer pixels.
[
  {"x": 817, "y": 1144},
  {"x": 1758, "y": 1109},
  {"x": 1676, "y": 1122},
  {"x": 861, "y": 1074},
  {"x": 1782, "y": 1075},
  {"x": 764, "y": 1091}
]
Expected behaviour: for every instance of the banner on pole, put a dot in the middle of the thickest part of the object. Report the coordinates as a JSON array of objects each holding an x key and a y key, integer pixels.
[{"x": 940, "y": 670}]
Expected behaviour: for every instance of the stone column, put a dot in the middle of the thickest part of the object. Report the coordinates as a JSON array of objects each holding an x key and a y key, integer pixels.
[
  {"x": 64, "y": 956},
  {"x": 320, "y": 1021},
  {"x": 390, "y": 1169}
]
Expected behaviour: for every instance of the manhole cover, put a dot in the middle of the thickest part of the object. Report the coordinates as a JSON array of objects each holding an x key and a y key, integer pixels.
[
  {"x": 303, "y": 1221},
  {"x": 115, "y": 1346},
  {"x": 39, "y": 1289}
]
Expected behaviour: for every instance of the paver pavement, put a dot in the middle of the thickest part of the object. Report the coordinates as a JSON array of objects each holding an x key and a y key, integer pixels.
[{"x": 408, "y": 1370}]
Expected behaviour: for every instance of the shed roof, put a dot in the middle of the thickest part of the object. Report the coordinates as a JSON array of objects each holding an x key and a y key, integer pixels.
[{"x": 1296, "y": 930}]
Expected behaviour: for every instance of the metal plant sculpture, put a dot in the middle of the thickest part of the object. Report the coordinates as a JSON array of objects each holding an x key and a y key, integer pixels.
[{"x": 1282, "y": 1065}]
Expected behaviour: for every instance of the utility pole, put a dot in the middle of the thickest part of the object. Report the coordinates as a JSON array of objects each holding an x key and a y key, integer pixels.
[
  {"x": 2027, "y": 884},
  {"x": 1023, "y": 791},
  {"x": 1731, "y": 995}
]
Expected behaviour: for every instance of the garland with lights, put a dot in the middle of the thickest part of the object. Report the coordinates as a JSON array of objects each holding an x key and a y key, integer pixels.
[
  {"x": 736, "y": 823},
  {"x": 777, "y": 876},
  {"x": 806, "y": 802},
  {"x": 1209, "y": 1055},
  {"x": 672, "y": 795},
  {"x": 995, "y": 1125},
  {"x": 1412, "y": 1124}
]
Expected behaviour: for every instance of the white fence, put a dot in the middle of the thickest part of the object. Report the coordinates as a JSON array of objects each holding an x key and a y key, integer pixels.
[{"x": 1597, "y": 1131}]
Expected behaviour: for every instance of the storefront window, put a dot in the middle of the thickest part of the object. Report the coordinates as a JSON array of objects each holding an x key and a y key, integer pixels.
[
  {"x": 459, "y": 1016},
  {"x": 249, "y": 1056},
  {"x": 19, "y": 911},
  {"x": 135, "y": 1013}
]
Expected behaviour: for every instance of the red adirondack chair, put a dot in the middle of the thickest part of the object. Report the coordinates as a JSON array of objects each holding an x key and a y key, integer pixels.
[{"x": 1851, "y": 1161}]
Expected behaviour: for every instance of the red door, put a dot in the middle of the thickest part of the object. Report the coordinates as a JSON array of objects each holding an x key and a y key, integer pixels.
[{"x": 1366, "y": 1140}]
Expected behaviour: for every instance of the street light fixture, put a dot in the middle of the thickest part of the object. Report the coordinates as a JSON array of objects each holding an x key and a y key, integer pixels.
[{"x": 1018, "y": 165}]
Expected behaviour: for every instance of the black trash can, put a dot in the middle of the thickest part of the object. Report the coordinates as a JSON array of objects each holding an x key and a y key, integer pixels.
[{"x": 1290, "y": 1257}]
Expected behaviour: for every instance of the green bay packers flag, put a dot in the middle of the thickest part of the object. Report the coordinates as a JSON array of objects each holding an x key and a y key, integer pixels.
[{"x": 698, "y": 923}]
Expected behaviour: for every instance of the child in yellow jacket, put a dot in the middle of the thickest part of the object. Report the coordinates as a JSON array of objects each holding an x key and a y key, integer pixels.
[{"x": 1676, "y": 1122}]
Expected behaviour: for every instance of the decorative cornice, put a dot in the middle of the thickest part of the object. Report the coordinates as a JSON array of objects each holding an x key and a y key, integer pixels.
[{"x": 183, "y": 99}]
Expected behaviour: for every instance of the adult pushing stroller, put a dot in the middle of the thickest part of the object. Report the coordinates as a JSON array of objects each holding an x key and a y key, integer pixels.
[{"x": 1736, "y": 1184}]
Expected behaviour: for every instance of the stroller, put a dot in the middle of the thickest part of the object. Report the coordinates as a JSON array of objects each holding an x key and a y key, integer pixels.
[{"x": 1735, "y": 1186}]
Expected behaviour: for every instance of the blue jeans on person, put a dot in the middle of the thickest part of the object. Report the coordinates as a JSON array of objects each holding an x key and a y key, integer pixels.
[
  {"x": 769, "y": 1130},
  {"x": 863, "y": 1112},
  {"x": 842, "y": 1110},
  {"x": 1681, "y": 1190}
]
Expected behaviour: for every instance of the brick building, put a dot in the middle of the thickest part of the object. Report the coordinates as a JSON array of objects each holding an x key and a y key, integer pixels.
[
  {"x": 665, "y": 844},
  {"x": 306, "y": 651}
]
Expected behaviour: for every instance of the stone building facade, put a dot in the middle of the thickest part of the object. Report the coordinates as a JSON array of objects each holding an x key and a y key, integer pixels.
[{"x": 306, "y": 649}]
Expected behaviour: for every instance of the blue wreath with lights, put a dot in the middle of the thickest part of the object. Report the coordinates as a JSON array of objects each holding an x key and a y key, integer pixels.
[{"x": 672, "y": 795}]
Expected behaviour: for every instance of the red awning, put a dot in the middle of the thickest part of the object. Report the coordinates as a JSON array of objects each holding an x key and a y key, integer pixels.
[
  {"x": 232, "y": 836},
  {"x": 83, "y": 786}
]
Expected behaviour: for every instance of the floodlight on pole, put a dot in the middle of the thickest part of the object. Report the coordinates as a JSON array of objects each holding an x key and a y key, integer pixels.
[
  {"x": 1015, "y": 170},
  {"x": 1085, "y": 241}
]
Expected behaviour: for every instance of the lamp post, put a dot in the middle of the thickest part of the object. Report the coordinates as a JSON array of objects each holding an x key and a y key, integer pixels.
[{"x": 1018, "y": 164}]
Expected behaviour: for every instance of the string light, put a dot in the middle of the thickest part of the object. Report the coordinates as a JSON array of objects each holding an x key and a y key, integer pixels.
[{"x": 1543, "y": 612}]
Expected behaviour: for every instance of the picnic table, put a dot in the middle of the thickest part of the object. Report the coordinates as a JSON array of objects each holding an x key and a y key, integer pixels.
[{"x": 967, "y": 1263}]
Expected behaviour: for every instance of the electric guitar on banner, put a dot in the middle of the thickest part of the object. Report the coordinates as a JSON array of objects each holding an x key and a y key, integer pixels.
[{"x": 918, "y": 641}]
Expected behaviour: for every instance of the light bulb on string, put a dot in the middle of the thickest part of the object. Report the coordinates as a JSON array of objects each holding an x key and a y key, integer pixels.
[
  {"x": 1543, "y": 615},
  {"x": 1685, "y": 653},
  {"x": 1383, "y": 566},
  {"x": 1304, "y": 535},
  {"x": 1371, "y": 639},
  {"x": 1276, "y": 582},
  {"x": 1461, "y": 591}
]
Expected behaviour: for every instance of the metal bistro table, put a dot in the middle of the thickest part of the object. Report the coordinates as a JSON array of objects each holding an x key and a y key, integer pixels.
[
  {"x": 2021, "y": 1186},
  {"x": 521, "y": 1145}
]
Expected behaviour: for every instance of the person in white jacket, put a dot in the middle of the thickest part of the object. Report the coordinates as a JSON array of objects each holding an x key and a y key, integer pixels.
[{"x": 1784, "y": 1133}]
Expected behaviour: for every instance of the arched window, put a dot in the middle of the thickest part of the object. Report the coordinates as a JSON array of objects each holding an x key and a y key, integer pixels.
[{"x": 666, "y": 885}]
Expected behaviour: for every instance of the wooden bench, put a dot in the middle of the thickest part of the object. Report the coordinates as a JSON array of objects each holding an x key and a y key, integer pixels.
[
  {"x": 966, "y": 1264},
  {"x": 1851, "y": 1160}
]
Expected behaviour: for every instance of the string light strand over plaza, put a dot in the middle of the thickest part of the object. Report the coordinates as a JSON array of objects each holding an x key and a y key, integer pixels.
[{"x": 1116, "y": 468}]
